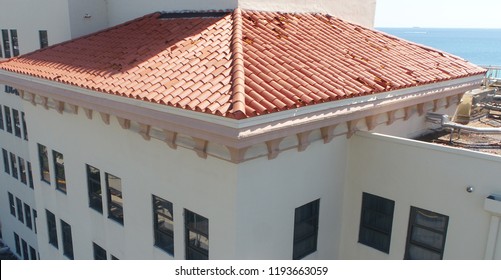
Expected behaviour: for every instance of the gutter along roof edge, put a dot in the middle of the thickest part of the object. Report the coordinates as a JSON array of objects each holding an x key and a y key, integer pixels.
[{"x": 232, "y": 132}]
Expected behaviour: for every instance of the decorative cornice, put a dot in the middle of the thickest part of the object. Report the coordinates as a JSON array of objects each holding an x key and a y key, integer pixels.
[{"x": 168, "y": 124}]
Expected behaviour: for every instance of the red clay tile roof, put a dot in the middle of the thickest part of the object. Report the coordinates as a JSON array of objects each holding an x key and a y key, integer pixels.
[{"x": 240, "y": 64}]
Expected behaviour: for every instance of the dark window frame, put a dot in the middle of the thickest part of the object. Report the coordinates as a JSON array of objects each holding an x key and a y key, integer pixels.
[
  {"x": 35, "y": 216},
  {"x": 413, "y": 224},
  {"x": 43, "y": 157},
  {"x": 94, "y": 188},
  {"x": 17, "y": 242},
  {"x": 27, "y": 216},
  {"x": 6, "y": 43},
  {"x": 163, "y": 224},
  {"x": 308, "y": 222},
  {"x": 25, "y": 250},
  {"x": 198, "y": 227},
  {"x": 33, "y": 253},
  {"x": 30, "y": 175},
  {"x": 99, "y": 252},
  {"x": 59, "y": 173},
  {"x": 25, "y": 127},
  {"x": 51, "y": 228},
  {"x": 67, "y": 240},
  {"x": 376, "y": 222},
  {"x": 44, "y": 38},
  {"x": 15, "y": 42},
  {"x": 6, "y": 161},
  {"x": 16, "y": 118},
  {"x": 114, "y": 196},
  {"x": 13, "y": 166},
  {"x": 20, "y": 212},
  {"x": 22, "y": 170},
  {"x": 8, "y": 119},
  {"x": 12, "y": 204},
  {"x": 2, "y": 126}
]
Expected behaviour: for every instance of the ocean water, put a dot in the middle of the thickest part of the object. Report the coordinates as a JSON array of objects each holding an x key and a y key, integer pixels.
[{"x": 479, "y": 46}]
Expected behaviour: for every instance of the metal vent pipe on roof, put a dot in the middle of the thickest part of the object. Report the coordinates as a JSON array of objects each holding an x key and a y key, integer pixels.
[{"x": 445, "y": 122}]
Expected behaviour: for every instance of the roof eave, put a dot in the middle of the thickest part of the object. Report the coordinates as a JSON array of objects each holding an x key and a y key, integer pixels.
[{"x": 240, "y": 133}]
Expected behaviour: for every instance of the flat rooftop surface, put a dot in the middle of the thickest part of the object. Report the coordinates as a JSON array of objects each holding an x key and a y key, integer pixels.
[{"x": 487, "y": 143}]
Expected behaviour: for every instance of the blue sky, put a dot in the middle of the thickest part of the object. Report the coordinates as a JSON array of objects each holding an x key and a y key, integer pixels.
[{"x": 438, "y": 13}]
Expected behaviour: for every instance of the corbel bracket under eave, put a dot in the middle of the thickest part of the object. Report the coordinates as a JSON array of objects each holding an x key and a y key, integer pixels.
[
  {"x": 352, "y": 127},
  {"x": 124, "y": 123},
  {"x": 328, "y": 133},
  {"x": 370, "y": 121},
  {"x": 391, "y": 117},
  {"x": 59, "y": 106},
  {"x": 45, "y": 102},
  {"x": 88, "y": 113},
  {"x": 31, "y": 99},
  {"x": 170, "y": 138},
  {"x": 273, "y": 147},
  {"x": 144, "y": 130},
  {"x": 448, "y": 101},
  {"x": 72, "y": 108},
  {"x": 435, "y": 104},
  {"x": 420, "y": 109},
  {"x": 303, "y": 140},
  {"x": 201, "y": 147},
  {"x": 237, "y": 155},
  {"x": 105, "y": 117},
  {"x": 407, "y": 113}
]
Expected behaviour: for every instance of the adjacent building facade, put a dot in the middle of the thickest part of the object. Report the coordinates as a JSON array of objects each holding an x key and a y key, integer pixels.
[{"x": 243, "y": 130}]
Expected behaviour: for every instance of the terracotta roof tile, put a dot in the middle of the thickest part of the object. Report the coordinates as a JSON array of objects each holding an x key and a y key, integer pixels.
[{"x": 240, "y": 64}]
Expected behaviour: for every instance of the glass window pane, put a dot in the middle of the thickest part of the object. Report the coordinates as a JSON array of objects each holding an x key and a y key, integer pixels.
[
  {"x": 17, "y": 123},
  {"x": 431, "y": 220},
  {"x": 20, "y": 214},
  {"x": 420, "y": 253},
  {"x": 305, "y": 229},
  {"x": 2, "y": 127},
  {"x": 44, "y": 41},
  {"x": 25, "y": 128},
  {"x": 12, "y": 205},
  {"x": 27, "y": 215},
  {"x": 427, "y": 237},
  {"x": 13, "y": 165},
  {"x": 22, "y": 170},
  {"x": 6, "y": 161},
  {"x": 6, "y": 43},
  {"x": 15, "y": 43},
  {"x": 59, "y": 170},
  {"x": 115, "y": 200},
  {"x": 8, "y": 119},
  {"x": 44, "y": 163},
  {"x": 94, "y": 188}
]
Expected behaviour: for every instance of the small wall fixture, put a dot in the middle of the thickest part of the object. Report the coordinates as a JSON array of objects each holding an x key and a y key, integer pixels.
[
  {"x": 470, "y": 189},
  {"x": 87, "y": 16}
]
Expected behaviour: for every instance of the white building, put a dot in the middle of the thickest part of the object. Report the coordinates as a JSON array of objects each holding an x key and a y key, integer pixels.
[{"x": 237, "y": 134}]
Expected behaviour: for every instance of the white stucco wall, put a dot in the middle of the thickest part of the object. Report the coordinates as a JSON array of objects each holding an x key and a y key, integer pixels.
[
  {"x": 357, "y": 11},
  {"x": 269, "y": 191},
  {"x": 204, "y": 186},
  {"x": 87, "y": 16},
  {"x": 426, "y": 176},
  {"x": 28, "y": 17},
  {"x": 123, "y": 10}
]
